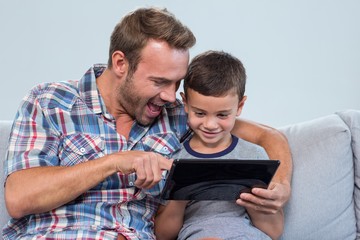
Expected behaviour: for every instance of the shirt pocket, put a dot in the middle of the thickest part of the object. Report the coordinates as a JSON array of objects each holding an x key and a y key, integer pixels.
[
  {"x": 78, "y": 148},
  {"x": 165, "y": 144}
]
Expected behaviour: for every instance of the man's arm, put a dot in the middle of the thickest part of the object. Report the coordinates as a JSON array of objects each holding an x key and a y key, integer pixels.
[
  {"x": 46, "y": 188},
  {"x": 275, "y": 143},
  {"x": 271, "y": 224}
]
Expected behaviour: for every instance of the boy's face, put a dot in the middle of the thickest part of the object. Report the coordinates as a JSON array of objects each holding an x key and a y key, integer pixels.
[{"x": 212, "y": 118}]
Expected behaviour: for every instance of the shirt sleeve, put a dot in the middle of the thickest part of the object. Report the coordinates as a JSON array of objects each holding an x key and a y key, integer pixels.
[{"x": 32, "y": 142}]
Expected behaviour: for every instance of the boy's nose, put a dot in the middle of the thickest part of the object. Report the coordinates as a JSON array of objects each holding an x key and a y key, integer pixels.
[{"x": 210, "y": 123}]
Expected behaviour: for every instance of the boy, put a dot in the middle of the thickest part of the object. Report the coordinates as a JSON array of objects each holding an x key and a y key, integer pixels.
[{"x": 213, "y": 97}]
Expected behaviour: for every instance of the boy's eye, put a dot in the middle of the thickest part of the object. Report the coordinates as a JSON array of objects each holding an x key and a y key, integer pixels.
[
  {"x": 199, "y": 114},
  {"x": 223, "y": 115}
]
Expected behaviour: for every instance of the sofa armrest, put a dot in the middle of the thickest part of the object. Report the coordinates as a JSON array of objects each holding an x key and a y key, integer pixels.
[
  {"x": 5, "y": 127},
  {"x": 352, "y": 120}
]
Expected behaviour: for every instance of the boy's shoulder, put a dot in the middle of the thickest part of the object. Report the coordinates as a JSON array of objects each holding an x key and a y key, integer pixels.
[{"x": 246, "y": 149}]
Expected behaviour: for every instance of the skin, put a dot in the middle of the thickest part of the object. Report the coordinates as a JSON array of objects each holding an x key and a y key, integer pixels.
[
  {"x": 154, "y": 83},
  {"x": 212, "y": 125}
]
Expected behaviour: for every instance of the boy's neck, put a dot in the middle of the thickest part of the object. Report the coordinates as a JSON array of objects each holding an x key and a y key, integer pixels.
[{"x": 198, "y": 145}]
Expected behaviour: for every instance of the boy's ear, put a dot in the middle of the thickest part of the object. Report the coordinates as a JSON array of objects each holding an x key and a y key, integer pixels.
[
  {"x": 241, "y": 105},
  {"x": 184, "y": 101},
  {"x": 183, "y": 97}
]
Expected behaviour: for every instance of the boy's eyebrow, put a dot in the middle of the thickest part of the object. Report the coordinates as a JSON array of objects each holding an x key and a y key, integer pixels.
[
  {"x": 199, "y": 109},
  {"x": 221, "y": 111}
]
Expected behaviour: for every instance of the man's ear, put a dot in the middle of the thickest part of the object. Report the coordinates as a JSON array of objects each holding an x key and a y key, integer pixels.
[
  {"x": 241, "y": 105},
  {"x": 184, "y": 101},
  {"x": 119, "y": 63}
]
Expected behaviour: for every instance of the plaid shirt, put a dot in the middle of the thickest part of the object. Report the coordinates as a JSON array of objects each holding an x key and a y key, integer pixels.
[{"x": 66, "y": 123}]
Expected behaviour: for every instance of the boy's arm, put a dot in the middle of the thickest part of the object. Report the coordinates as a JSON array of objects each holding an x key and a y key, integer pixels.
[
  {"x": 276, "y": 146},
  {"x": 271, "y": 224},
  {"x": 169, "y": 220}
]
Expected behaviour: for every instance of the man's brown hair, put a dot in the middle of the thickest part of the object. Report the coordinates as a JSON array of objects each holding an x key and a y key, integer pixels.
[{"x": 132, "y": 33}]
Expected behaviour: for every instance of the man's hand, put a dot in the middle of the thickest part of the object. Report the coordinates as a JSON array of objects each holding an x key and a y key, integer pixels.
[
  {"x": 148, "y": 166},
  {"x": 268, "y": 201}
]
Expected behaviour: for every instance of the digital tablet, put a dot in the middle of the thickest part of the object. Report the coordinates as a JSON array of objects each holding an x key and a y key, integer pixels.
[{"x": 216, "y": 179}]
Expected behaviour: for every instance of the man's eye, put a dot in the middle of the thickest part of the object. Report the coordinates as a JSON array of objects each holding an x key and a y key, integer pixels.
[
  {"x": 199, "y": 114},
  {"x": 158, "y": 83}
]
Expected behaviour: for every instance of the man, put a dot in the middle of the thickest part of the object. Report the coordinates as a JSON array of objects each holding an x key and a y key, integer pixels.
[{"x": 85, "y": 158}]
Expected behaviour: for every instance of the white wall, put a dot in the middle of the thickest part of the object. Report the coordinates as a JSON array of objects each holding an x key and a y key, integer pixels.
[{"x": 302, "y": 56}]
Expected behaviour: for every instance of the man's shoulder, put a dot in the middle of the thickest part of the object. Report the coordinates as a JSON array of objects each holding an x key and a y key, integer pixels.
[
  {"x": 51, "y": 87},
  {"x": 56, "y": 94}
]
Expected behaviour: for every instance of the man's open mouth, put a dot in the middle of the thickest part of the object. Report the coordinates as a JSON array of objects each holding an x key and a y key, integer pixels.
[{"x": 154, "y": 107}]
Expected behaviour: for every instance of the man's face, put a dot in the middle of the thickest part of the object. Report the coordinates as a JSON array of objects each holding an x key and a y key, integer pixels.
[{"x": 155, "y": 81}]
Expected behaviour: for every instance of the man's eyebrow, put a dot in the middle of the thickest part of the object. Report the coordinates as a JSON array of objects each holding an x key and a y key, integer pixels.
[
  {"x": 163, "y": 79},
  {"x": 160, "y": 79}
]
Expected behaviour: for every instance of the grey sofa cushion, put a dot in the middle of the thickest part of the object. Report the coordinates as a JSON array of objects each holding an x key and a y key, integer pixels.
[
  {"x": 321, "y": 205},
  {"x": 5, "y": 127},
  {"x": 352, "y": 119}
]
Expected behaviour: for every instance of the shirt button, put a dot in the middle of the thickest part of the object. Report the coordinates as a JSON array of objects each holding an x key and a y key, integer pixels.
[
  {"x": 131, "y": 183},
  {"x": 82, "y": 150}
]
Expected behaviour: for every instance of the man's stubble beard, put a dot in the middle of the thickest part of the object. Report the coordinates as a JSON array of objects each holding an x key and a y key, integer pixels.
[{"x": 129, "y": 99}]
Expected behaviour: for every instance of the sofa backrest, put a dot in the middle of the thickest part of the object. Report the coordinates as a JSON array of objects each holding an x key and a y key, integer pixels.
[{"x": 321, "y": 205}]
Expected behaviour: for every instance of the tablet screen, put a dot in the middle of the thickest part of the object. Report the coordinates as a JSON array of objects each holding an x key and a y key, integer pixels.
[{"x": 216, "y": 179}]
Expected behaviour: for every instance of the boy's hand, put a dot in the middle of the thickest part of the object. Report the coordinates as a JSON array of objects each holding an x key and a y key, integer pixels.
[{"x": 268, "y": 201}]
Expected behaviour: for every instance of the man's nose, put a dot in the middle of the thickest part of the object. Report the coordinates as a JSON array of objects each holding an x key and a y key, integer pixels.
[{"x": 169, "y": 93}]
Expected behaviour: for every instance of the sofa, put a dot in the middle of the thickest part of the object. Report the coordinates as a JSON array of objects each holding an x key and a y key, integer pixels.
[{"x": 325, "y": 199}]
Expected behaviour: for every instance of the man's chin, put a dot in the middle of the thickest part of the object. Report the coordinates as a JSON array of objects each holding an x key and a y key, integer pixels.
[
  {"x": 144, "y": 121},
  {"x": 147, "y": 117}
]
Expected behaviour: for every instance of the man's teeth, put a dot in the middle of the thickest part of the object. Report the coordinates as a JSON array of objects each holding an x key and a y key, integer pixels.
[{"x": 154, "y": 107}]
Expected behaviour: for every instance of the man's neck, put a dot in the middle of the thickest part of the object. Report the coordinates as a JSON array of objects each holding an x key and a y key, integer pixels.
[
  {"x": 123, "y": 125},
  {"x": 107, "y": 84}
]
